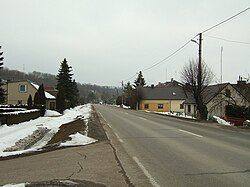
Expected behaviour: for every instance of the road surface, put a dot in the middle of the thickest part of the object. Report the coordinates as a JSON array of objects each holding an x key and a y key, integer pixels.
[{"x": 174, "y": 152}]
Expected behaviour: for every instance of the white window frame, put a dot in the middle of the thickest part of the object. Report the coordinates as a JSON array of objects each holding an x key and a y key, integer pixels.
[{"x": 25, "y": 86}]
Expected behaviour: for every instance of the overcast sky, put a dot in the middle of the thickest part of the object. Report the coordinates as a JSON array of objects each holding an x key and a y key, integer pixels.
[{"x": 107, "y": 41}]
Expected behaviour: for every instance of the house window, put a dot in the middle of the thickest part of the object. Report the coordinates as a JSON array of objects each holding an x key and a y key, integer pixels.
[
  {"x": 160, "y": 106},
  {"x": 228, "y": 93},
  {"x": 189, "y": 108},
  {"x": 181, "y": 106},
  {"x": 146, "y": 106},
  {"x": 22, "y": 88}
]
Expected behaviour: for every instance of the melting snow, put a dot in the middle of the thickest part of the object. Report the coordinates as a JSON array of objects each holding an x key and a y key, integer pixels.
[
  {"x": 221, "y": 121},
  {"x": 78, "y": 139},
  {"x": 11, "y": 134},
  {"x": 51, "y": 113}
]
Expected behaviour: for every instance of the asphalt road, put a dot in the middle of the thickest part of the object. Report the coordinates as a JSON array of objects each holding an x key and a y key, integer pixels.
[{"x": 174, "y": 152}]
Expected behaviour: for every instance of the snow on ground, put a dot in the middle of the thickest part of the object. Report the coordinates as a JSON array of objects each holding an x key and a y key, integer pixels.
[
  {"x": 221, "y": 121},
  {"x": 15, "y": 185},
  {"x": 20, "y": 112},
  {"x": 17, "y": 109},
  {"x": 78, "y": 139},
  {"x": 52, "y": 113},
  {"x": 11, "y": 134},
  {"x": 122, "y": 106},
  {"x": 182, "y": 115}
]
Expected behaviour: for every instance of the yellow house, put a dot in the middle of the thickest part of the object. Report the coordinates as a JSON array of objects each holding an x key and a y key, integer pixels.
[
  {"x": 17, "y": 92},
  {"x": 162, "y": 99}
]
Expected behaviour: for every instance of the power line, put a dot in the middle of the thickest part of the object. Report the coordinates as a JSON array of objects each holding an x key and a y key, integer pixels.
[
  {"x": 185, "y": 44},
  {"x": 164, "y": 59},
  {"x": 226, "y": 40},
  {"x": 226, "y": 20}
]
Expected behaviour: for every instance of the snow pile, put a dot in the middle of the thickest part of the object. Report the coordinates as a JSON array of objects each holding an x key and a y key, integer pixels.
[
  {"x": 122, "y": 106},
  {"x": 28, "y": 141},
  {"x": 52, "y": 113},
  {"x": 20, "y": 112},
  {"x": 15, "y": 185},
  {"x": 180, "y": 114},
  {"x": 78, "y": 139},
  {"x": 17, "y": 109},
  {"x": 221, "y": 121},
  {"x": 126, "y": 107},
  {"x": 9, "y": 135}
]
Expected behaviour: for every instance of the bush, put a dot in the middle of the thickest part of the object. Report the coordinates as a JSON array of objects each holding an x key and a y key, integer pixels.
[{"x": 238, "y": 111}]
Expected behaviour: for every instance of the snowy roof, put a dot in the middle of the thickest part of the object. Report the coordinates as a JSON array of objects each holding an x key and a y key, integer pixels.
[{"x": 47, "y": 95}]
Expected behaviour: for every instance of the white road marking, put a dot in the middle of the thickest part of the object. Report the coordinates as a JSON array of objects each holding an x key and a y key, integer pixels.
[
  {"x": 151, "y": 179},
  {"x": 190, "y": 133},
  {"x": 109, "y": 125},
  {"x": 120, "y": 140},
  {"x": 143, "y": 118}
]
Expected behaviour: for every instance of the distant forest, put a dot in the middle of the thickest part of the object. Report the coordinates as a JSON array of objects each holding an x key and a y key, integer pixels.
[{"x": 88, "y": 93}]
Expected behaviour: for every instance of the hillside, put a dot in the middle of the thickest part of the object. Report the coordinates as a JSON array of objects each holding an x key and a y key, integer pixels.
[{"x": 88, "y": 92}]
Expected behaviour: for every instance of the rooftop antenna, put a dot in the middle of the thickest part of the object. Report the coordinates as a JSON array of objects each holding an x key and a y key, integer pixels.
[
  {"x": 221, "y": 51},
  {"x": 166, "y": 74}
]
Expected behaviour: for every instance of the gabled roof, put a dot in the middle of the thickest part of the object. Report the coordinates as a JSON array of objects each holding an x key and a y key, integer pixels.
[
  {"x": 244, "y": 89},
  {"x": 163, "y": 93},
  {"x": 211, "y": 91},
  {"x": 47, "y": 95}
]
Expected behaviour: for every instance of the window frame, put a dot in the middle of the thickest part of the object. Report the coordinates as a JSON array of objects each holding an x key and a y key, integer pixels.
[
  {"x": 25, "y": 88},
  {"x": 160, "y": 106},
  {"x": 146, "y": 106}
]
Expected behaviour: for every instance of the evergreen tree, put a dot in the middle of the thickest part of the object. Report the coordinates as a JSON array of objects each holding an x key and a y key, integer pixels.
[
  {"x": 29, "y": 102},
  {"x": 42, "y": 97},
  {"x": 68, "y": 93},
  {"x": 2, "y": 92},
  {"x": 140, "y": 81},
  {"x": 74, "y": 95},
  {"x": 36, "y": 100},
  {"x": 128, "y": 89}
]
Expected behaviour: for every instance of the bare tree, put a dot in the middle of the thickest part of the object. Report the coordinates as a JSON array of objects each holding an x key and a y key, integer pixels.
[{"x": 189, "y": 76}]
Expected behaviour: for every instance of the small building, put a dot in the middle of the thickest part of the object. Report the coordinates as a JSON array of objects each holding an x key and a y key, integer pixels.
[
  {"x": 162, "y": 99},
  {"x": 17, "y": 93}
]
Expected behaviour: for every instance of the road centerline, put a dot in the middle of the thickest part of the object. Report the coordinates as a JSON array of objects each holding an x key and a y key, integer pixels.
[{"x": 190, "y": 133}]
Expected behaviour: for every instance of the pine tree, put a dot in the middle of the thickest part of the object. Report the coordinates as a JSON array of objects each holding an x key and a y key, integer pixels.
[
  {"x": 140, "y": 81},
  {"x": 41, "y": 93},
  {"x": 128, "y": 89},
  {"x": 29, "y": 102},
  {"x": 36, "y": 100},
  {"x": 68, "y": 93},
  {"x": 74, "y": 94},
  {"x": 2, "y": 92}
]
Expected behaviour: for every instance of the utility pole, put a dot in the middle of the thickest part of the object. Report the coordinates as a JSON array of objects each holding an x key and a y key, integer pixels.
[
  {"x": 199, "y": 65},
  {"x": 199, "y": 77}
]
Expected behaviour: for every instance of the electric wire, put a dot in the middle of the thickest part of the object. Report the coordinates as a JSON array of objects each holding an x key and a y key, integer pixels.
[
  {"x": 227, "y": 40},
  {"x": 164, "y": 59},
  {"x": 226, "y": 20},
  {"x": 185, "y": 44}
]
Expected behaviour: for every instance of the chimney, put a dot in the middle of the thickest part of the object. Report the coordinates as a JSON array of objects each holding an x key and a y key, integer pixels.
[{"x": 241, "y": 81}]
